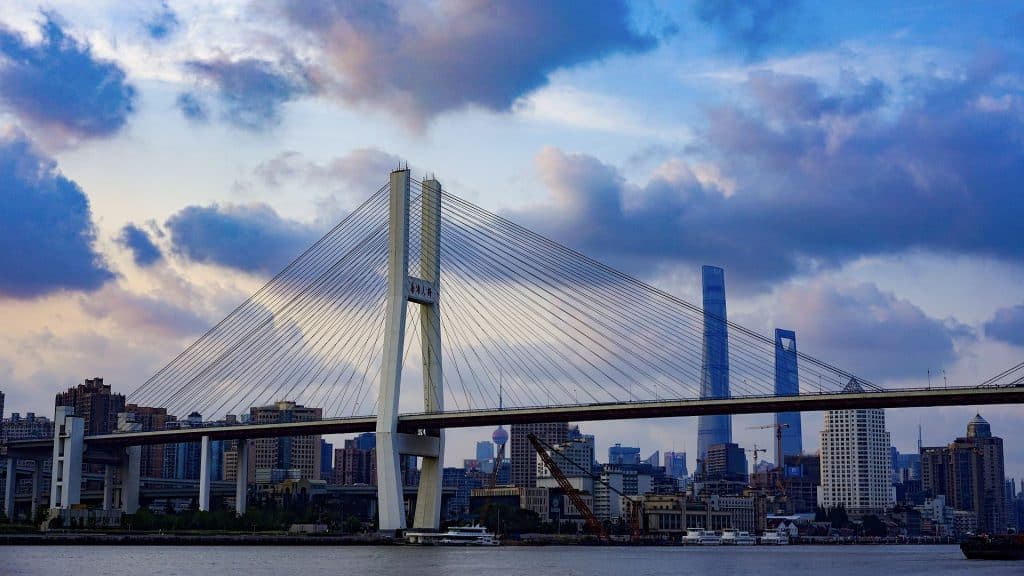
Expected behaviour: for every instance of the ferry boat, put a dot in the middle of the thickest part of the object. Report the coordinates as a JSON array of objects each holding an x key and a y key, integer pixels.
[
  {"x": 702, "y": 537},
  {"x": 474, "y": 535},
  {"x": 737, "y": 538},
  {"x": 779, "y": 538}
]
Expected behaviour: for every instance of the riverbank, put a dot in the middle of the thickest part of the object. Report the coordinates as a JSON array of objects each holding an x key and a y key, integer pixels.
[
  {"x": 157, "y": 539},
  {"x": 281, "y": 539}
]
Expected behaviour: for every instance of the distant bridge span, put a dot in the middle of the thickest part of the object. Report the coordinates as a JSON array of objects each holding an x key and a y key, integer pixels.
[{"x": 907, "y": 398}]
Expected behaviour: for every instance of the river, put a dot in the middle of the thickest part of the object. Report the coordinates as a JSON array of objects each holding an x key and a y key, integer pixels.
[{"x": 903, "y": 560}]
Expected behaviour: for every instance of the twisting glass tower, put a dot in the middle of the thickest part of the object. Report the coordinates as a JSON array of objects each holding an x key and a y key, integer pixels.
[{"x": 716, "y": 429}]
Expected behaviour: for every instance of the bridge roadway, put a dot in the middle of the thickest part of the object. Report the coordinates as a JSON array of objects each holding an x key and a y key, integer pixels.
[{"x": 903, "y": 398}]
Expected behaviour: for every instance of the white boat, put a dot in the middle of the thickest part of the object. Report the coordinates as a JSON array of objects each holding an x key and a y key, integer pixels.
[
  {"x": 474, "y": 535},
  {"x": 702, "y": 537},
  {"x": 738, "y": 538},
  {"x": 779, "y": 538}
]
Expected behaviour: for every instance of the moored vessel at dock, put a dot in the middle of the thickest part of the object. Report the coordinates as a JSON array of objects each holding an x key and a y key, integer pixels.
[{"x": 994, "y": 547}]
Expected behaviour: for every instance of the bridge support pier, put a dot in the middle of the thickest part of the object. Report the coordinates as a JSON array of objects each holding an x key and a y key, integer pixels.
[
  {"x": 403, "y": 288},
  {"x": 204, "y": 475},
  {"x": 130, "y": 470},
  {"x": 242, "y": 477},
  {"x": 131, "y": 465},
  {"x": 37, "y": 489},
  {"x": 10, "y": 485},
  {"x": 108, "y": 487},
  {"x": 66, "y": 471}
]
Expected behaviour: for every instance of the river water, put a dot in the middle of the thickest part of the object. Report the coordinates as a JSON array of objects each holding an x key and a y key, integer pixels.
[{"x": 541, "y": 561}]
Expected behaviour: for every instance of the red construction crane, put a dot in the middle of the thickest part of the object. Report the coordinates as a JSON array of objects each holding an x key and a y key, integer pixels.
[{"x": 570, "y": 491}]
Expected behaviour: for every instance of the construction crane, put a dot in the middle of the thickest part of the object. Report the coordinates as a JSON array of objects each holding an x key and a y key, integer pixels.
[
  {"x": 778, "y": 441},
  {"x": 570, "y": 491},
  {"x": 757, "y": 451},
  {"x": 635, "y": 506}
]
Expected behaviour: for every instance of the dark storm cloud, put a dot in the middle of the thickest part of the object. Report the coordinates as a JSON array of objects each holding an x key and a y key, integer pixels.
[
  {"x": 422, "y": 59},
  {"x": 869, "y": 332},
  {"x": 251, "y": 92},
  {"x": 46, "y": 229},
  {"x": 144, "y": 251},
  {"x": 747, "y": 26},
  {"x": 58, "y": 84},
  {"x": 252, "y": 238},
  {"x": 1007, "y": 325},
  {"x": 162, "y": 24},
  {"x": 806, "y": 178}
]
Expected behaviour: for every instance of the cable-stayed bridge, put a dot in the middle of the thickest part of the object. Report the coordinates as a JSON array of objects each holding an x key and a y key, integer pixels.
[{"x": 499, "y": 324}]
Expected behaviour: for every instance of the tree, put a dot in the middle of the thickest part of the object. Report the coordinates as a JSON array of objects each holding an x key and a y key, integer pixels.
[{"x": 873, "y": 526}]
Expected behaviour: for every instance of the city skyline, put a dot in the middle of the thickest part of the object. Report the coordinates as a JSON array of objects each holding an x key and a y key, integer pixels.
[{"x": 850, "y": 169}]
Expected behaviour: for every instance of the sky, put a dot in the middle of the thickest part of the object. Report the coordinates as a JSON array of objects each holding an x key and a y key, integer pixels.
[{"x": 854, "y": 166}]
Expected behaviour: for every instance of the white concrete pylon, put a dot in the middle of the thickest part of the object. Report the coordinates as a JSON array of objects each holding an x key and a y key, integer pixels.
[
  {"x": 204, "y": 475},
  {"x": 242, "y": 477},
  {"x": 37, "y": 487},
  {"x": 403, "y": 288}
]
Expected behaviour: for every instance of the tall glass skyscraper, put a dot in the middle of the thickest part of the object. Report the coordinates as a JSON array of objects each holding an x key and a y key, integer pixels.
[
  {"x": 787, "y": 384},
  {"x": 716, "y": 429}
]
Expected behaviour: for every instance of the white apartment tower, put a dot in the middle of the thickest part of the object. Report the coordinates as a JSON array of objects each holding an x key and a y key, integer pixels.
[{"x": 856, "y": 464}]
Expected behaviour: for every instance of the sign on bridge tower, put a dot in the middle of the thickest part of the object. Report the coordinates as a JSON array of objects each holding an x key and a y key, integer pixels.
[{"x": 424, "y": 292}]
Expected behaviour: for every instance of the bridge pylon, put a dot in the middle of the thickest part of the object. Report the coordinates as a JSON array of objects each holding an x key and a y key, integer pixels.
[{"x": 424, "y": 291}]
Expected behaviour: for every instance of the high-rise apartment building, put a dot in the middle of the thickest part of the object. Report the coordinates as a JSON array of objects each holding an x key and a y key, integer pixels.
[
  {"x": 856, "y": 464},
  {"x": 787, "y": 383},
  {"x": 675, "y": 464},
  {"x": 717, "y": 428},
  {"x": 287, "y": 456},
  {"x": 30, "y": 426},
  {"x": 627, "y": 455},
  {"x": 725, "y": 462},
  {"x": 524, "y": 458},
  {"x": 95, "y": 404},
  {"x": 152, "y": 461},
  {"x": 354, "y": 465},
  {"x": 970, "y": 474}
]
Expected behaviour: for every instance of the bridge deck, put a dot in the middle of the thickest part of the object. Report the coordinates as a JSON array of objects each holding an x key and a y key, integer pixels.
[{"x": 907, "y": 398}]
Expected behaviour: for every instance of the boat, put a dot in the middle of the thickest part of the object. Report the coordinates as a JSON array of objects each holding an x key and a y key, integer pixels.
[
  {"x": 737, "y": 538},
  {"x": 474, "y": 535},
  {"x": 702, "y": 537},
  {"x": 994, "y": 547},
  {"x": 777, "y": 538}
]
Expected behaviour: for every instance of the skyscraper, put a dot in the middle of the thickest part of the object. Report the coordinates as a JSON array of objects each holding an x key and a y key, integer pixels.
[
  {"x": 714, "y": 429},
  {"x": 970, "y": 474},
  {"x": 274, "y": 456},
  {"x": 675, "y": 464},
  {"x": 95, "y": 404},
  {"x": 856, "y": 463},
  {"x": 787, "y": 383},
  {"x": 524, "y": 458}
]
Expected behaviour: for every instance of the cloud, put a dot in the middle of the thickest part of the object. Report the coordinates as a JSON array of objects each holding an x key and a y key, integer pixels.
[
  {"x": 422, "y": 59},
  {"x": 747, "y": 26},
  {"x": 58, "y": 85},
  {"x": 139, "y": 313},
  {"x": 144, "y": 251},
  {"x": 869, "y": 332},
  {"x": 162, "y": 24},
  {"x": 47, "y": 235},
  {"x": 1007, "y": 325},
  {"x": 251, "y": 91},
  {"x": 192, "y": 107},
  {"x": 366, "y": 169},
  {"x": 801, "y": 177},
  {"x": 251, "y": 237}
]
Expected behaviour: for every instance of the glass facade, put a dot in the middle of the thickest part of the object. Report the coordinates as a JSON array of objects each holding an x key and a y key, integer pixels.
[
  {"x": 714, "y": 429},
  {"x": 787, "y": 383}
]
